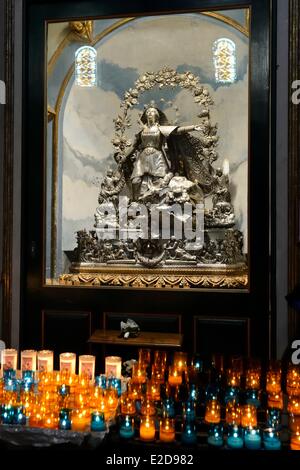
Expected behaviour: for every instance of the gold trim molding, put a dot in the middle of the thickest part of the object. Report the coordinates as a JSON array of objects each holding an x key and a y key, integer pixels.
[
  {"x": 82, "y": 30},
  {"x": 227, "y": 278}
]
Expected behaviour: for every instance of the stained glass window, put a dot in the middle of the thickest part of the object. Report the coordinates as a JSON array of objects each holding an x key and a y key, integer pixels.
[
  {"x": 224, "y": 60},
  {"x": 86, "y": 67}
]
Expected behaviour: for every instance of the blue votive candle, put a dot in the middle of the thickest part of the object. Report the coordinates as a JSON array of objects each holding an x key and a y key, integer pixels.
[
  {"x": 194, "y": 393},
  {"x": 113, "y": 382},
  {"x": 28, "y": 376},
  {"x": 232, "y": 394},
  {"x": 64, "y": 419},
  {"x": 274, "y": 418},
  {"x": 8, "y": 414},
  {"x": 253, "y": 398},
  {"x": 126, "y": 429},
  {"x": 235, "y": 438},
  {"x": 100, "y": 381},
  {"x": 189, "y": 412},
  {"x": 215, "y": 435},
  {"x": 271, "y": 440},
  {"x": 98, "y": 422},
  {"x": 168, "y": 408},
  {"x": 63, "y": 390},
  {"x": 19, "y": 415},
  {"x": 9, "y": 374},
  {"x": 188, "y": 434},
  {"x": 252, "y": 438}
]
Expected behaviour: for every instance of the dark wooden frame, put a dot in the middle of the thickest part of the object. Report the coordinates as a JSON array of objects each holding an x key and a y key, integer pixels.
[
  {"x": 55, "y": 312},
  {"x": 8, "y": 171},
  {"x": 205, "y": 318},
  {"x": 35, "y": 298},
  {"x": 294, "y": 167}
]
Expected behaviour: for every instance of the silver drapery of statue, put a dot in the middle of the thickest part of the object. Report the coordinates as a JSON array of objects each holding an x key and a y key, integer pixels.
[{"x": 167, "y": 164}]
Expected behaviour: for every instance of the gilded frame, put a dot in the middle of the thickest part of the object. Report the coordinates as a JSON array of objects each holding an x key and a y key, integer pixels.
[{"x": 228, "y": 278}]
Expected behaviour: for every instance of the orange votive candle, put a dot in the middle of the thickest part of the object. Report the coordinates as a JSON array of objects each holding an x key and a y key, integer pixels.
[
  {"x": 249, "y": 416},
  {"x": 167, "y": 430},
  {"x": 295, "y": 441},
  {"x": 213, "y": 412},
  {"x": 147, "y": 429},
  {"x": 175, "y": 376}
]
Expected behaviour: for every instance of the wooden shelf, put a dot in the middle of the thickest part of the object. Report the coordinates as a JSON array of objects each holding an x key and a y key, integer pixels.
[{"x": 145, "y": 339}]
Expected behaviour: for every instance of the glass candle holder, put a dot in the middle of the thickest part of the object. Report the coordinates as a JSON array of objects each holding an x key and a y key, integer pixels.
[
  {"x": 175, "y": 376},
  {"x": 233, "y": 414},
  {"x": 252, "y": 380},
  {"x": 135, "y": 391},
  {"x": 80, "y": 420},
  {"x": 50, "y": 421},
  {"x": 275, "y": 400},
  {"x": 215, "y": 435},
  {"x": 235, "y": 437},
  {"x": 127, "y": 405},
  {"x": 252, "y": 438},
  {"x": 113, "y": 366},
  {"x": 233, "y": 378},
  {"x": 273, "y": 420},
  {"x": 188, "y": 433},
  {"x": 189, "y": 410},
  {"x": 294, "y": 423},
  {"x": 63, "y": 390},
  {"x": 111, "y": 397},
  {"x": 168, "y": 408},
  {"x": 64, "y": 422},
  {"x": 158, "y": 374},
  {"x": 28, "y": 360},
  {"x": 180, "y": 361},
  {"x": 8, "y": 414},
  {"x": 45, "y": 361},
  {"x": 248, "y": 416},
  {"x": 213, "y": 412},
  {"x": 67, "y": 363},
  {"x": 273, "y": 381},
  {"x": 293, "y": 381},
  {"x": 271, "y": 439},
  {"x": 28, "y": 376},
  {"x": 194, "y": 393},
  {"x": 139, "y": 373},
  {"x": 232, "y": 394},
  {"x": 153, "y": 390},
  {"x": 147, "y": 428},
  {"x": 9, "y": 359},
  {"x": 253, "y": 397},
  {"x": 113, "y": 382},
  {"x": 144, "y": 357},
  {"x": 212, "y": 392},
  {"x": 100, "y": 381},
  {"x": 197, "y": 363},
  {"x": 294, "y": 405},
  {"x": 147, "y": 407},
  {"x": 98, "y": 423},
  {"x": 87, "y": 366},
  {"x": 126, "y": 427},
  {"x": 167, "y": 430},
  {"x": 295, "y": 441},
  {"x": 160, "y": 359}
]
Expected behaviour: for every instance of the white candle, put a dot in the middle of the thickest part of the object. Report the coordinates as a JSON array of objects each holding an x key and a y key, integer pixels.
[
  {"x": 45, "y": 361},
  {"x": 9, "y": 359},
  {"x": 226, "y": 167},
  {"x": 113, "y": 366},
  {"x": 67, "y": 363},
  {"x": 28, "y": 360},
  {"x": 87, "y": 366}
]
